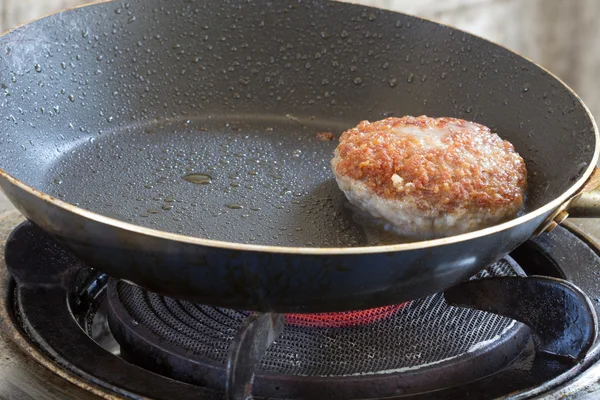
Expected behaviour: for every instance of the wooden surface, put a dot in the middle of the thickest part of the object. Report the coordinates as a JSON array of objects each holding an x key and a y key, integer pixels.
[{"x": 561, "y": 35}]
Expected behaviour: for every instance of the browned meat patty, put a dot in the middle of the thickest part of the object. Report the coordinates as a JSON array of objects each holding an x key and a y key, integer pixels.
[{"x": 430, "y": 177}]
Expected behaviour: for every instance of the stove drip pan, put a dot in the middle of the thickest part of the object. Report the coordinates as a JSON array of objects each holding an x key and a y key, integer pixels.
[{"x": 421, "y": 346}]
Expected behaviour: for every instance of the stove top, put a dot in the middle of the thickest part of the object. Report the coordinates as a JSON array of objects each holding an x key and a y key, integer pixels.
[{"x": 98, "y": 338}]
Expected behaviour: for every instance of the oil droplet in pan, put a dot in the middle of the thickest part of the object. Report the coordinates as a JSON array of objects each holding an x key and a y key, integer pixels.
[{"x": 198, "y": 178}]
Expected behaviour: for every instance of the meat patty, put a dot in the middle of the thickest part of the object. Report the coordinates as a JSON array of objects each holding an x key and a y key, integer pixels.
[{"x": 430, "y": 177}]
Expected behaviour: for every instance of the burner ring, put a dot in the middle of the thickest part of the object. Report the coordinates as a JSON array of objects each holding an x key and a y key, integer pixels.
[{"x": 432, "y": 344}]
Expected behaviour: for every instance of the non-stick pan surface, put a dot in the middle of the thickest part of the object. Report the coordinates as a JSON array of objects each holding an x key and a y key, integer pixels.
[{"x": 111, "y": 107}]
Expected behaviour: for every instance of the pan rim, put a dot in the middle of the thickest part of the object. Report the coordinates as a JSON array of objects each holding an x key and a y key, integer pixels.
[{"x": 341, "y": 251}]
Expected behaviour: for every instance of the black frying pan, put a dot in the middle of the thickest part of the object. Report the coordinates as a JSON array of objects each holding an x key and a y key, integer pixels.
[{"x": 107, "y": 108}]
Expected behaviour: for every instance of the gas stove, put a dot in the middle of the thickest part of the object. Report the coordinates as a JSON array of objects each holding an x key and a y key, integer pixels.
[{"x": 70, "y": 332}]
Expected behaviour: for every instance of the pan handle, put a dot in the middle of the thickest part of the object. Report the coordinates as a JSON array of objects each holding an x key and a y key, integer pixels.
[{"x": 585, "y": 204}]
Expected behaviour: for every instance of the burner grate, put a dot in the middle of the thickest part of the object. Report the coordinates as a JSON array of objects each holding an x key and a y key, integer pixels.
[{"x": 421, "y": 333}]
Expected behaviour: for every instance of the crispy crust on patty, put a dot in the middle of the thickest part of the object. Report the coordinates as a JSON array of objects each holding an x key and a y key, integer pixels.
[{"x": 441, "y": 164}]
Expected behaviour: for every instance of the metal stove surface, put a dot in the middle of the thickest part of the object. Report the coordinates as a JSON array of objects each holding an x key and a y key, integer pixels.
[{"x": 23, "y": 377}]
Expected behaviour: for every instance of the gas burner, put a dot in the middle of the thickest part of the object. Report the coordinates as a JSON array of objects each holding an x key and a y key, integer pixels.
[
  {"x": 65, "y": 314},
  {"x": 425, "y": 345}
]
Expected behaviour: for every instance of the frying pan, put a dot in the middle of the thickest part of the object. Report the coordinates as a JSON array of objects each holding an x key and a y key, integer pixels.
[{"x": 174, "y": 145}]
